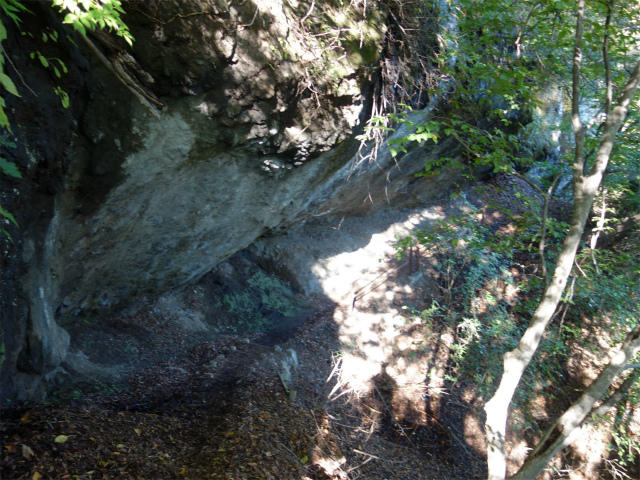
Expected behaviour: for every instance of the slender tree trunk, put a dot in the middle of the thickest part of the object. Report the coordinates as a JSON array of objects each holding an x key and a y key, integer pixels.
[
  {"x": 620, "y": 230},
  {"x": 584, "y": 190},
  {"x": 568, "y": 427}
]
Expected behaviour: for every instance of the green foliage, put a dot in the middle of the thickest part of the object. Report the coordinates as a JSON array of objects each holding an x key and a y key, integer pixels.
[
  {"x": 474, "y": 265},
  {"x": 610, "y": 289},
  {"x": 11, "y": 8},
  {"x": 625, "y": 441},
  {"x": 477, "y": 311},
  {"x": 474, "y": 276},
  {"x": 64, "y": 97},
  {"x": 83, "y": 15},
  {"x": 262, "y": 296},
  {"x": 483, "y": 147},
  {"x": 50, "y": 62},
  {"x": 8, "y": 168},
  {"x": 622, "y": 181},
  {"x": 504, "y": 55},
  {"x": 273, "y": 294},
  {"x": 93, "y": 14}
]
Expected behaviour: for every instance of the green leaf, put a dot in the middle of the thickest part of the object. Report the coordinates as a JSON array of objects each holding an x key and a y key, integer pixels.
[
  {"x": 71, "y": 40},
  {"x": 6, "y": 143},
  {"x": 7, "y": 234},
  {"x": 21, "y": 7},
  {"x": 4, "y": 121},
  {"x": 61, "y": 439},
  {"x": 64, "y": 97},
  {"x": 43, "y": 61},
  {"x": 9, "y": 168},
  {"x": 4, "y": 213},
  {"x": 78, "y": 26},
  {"x": 8, "y": 84},
  {"x": 3, "y": 32}
]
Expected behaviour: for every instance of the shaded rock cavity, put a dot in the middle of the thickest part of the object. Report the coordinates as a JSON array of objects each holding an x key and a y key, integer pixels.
[{"x": 120, "y": 208}]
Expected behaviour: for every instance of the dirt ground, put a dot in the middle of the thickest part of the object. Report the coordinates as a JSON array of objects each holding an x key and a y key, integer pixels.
[
  {"x": 358, "y": 391},
  {"x": 222, "y": 411}
]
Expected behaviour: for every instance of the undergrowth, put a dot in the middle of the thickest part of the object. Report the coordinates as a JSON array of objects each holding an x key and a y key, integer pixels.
[{"x": 486, "y": 300}]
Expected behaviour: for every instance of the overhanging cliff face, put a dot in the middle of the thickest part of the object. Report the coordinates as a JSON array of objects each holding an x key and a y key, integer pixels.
[{"x": 256, "y": 135}]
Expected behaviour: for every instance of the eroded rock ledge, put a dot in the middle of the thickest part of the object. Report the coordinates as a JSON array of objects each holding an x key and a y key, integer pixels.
[{"x": 257, "y": 135}]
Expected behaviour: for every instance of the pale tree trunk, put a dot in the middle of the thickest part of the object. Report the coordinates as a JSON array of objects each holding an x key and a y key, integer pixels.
[
  {"x": 584, "y": 190},
  {"x": 567, "y": 428}
]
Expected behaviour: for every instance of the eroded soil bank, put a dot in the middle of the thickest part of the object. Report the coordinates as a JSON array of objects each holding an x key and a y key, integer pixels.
[{"x": 295, "y": 362}]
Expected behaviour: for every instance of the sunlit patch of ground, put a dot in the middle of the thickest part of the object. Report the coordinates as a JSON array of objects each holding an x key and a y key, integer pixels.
[{"x": 375, "y": 396}]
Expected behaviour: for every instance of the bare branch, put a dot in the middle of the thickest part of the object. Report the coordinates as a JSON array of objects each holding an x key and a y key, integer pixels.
[
  {"x": 543, "y": 234},
  {"x": 605, "y": 58},
  {"x": 585, "y": 188},
  {"x": 118, "y": 70},
  {"x": 568, "y": 427},
  {"x": 525, "y": 179},
  {"x": 521, "y": 28},
  {"x": 313, "y": 2},
  {"x": 578, "y": 129}
]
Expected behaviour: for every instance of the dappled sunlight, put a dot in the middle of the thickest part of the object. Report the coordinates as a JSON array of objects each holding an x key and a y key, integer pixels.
[
  {"x": 517, "y": 455},
  {"x": 474, "y": 433},
  {"x": 590, "y": 449},
  {"x": 344, "y": 274},
  {"x": 369, "y": 342},
  {"x": 421, "y": 339},
  {"x": 394, "y": 364}
]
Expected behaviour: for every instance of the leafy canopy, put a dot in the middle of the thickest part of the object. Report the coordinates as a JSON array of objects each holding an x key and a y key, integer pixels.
[{"x": 95, "y": 14}]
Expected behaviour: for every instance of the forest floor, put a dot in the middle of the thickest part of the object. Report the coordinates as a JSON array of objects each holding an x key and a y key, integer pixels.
[
  {"x": 175, "y": 421},
  {"x": 365, "y": 395}
]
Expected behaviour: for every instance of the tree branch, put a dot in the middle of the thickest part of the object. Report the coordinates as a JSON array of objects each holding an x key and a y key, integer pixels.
[
  {"x": 568, "y": 427},
  {"x": 543, "y": 234},
  {"x": 521, "y": 28},
  {"x": 531, "y": 183},
  {"x": 578, "y": 130},
  {"x": 134, "y": 86},
  {"x": 585, "y": 188},
  {"x": 547, "y": 198},
  {"x": 605, "y": 58}
]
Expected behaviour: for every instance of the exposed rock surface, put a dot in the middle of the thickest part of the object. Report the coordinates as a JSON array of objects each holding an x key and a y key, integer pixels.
[{"x": 257, "y": 135}]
